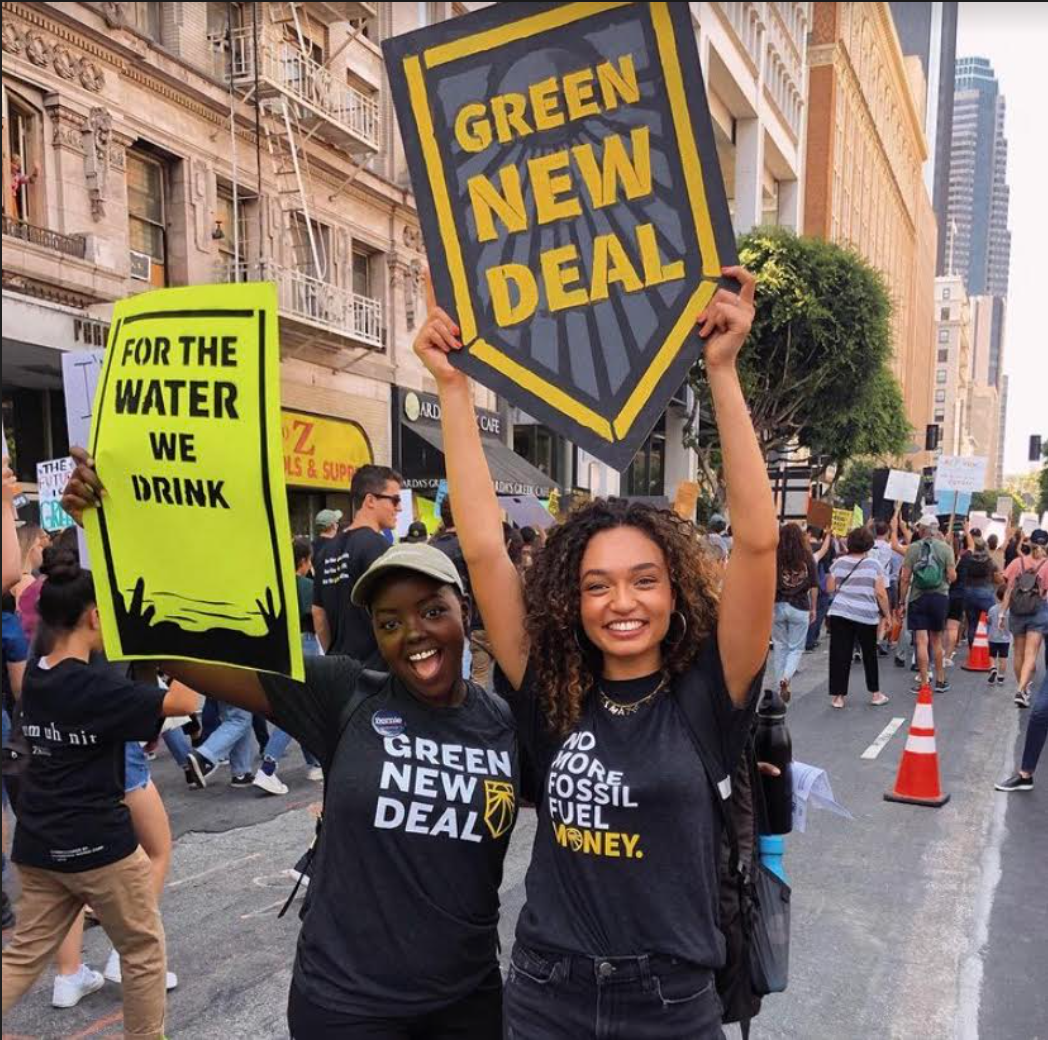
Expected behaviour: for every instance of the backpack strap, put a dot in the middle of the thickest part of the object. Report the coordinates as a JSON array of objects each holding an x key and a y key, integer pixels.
[{"x": 369, "y": 684}]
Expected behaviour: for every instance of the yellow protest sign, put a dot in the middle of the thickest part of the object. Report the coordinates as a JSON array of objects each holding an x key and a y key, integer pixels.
[
  {"x": 192, "y": 545},
  {"x": 842, "y": 522},
  {"x": 858, "y": 519}
]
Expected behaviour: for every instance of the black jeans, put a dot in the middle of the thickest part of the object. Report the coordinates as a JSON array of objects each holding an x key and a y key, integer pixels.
[
  {"x": 612, "y": 998},
  {"x": 844, "y": 634},
  {"x": 815, "y": 628},
  {"x": 477, "y": 1017}
]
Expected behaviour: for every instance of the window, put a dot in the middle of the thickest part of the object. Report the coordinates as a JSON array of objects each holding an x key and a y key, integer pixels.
[
  {"x": 946, "y": 292},
  {"x": 944, "y": 356},
  {"x": 940, "y": 376},
  {"x": 944, "y": 335},
  {"x": 22, "y": 151},
  {"x": 303, "y": 257},
  {"x": 940, "y": 416},
  {"x": 940, "y": 397},
  {"x": 218, "y": 16},
  {"x": 944, "y": 314},
  {"x": 362, "y": 264},
  {"x": 146, "y": 211},
  {"x": 232, "y": 236},
  {"x": 646, "y": 474}
]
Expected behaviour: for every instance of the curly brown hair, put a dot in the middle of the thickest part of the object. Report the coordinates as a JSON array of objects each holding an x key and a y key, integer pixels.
[{"x": 567, "y": 665}]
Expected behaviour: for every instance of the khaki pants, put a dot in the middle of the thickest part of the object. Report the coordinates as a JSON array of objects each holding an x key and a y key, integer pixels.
[{"x": 122, "y": 898}]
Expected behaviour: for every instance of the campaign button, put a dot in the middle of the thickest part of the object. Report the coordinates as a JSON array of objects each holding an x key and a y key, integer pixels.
[{"x": 388, "y": 723}]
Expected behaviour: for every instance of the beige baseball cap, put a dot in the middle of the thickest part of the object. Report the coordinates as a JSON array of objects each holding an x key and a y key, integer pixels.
[{"x": 422, "y": 559}]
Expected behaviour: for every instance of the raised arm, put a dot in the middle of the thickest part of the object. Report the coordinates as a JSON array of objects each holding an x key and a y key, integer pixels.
[
  {"x": 478, "y": 519},
  {"x": 12, "y": 556},
  {"x": 748, "y": 596},
  {"x": 827, "y": 541}
]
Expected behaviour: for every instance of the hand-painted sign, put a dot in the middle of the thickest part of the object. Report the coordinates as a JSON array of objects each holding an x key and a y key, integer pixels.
[
  {"x": 842, "y": 521},
  {"x": 961, "y": 473},
  {"x": 51, "y": 479},
  {"x": 567, "y": 181},
  {"x": 192, "y": 545},
  {"x": 902, "y": 486}
]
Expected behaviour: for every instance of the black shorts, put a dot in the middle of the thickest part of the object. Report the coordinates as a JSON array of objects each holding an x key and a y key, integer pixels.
[
  {"x": 928, "y": 613},
  {"x": 956, "y": 609},
  {"x": 1000, "y": 649}
]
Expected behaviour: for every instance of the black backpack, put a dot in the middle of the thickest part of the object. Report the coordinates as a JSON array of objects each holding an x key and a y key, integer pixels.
[
  {"x": 1026, "y": 594},
  {"x": 753, "y": 901}
]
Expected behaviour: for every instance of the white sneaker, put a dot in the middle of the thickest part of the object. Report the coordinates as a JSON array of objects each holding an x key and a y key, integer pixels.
[
  {"x": 315, "y": 774},
  {"x": 270, "y": 784},
  {"x": 69, "y": 990},
  {"x": 113, "y": 973}
]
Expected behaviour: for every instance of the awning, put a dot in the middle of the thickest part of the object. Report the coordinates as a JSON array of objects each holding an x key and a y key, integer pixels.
[{"x": 512, "y": 474}]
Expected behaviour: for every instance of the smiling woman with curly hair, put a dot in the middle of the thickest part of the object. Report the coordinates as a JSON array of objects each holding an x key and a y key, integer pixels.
[{"x": 616, "y": 643}]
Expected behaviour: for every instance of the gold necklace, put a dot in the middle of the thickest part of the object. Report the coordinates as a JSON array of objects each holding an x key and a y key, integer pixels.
[{"x": 620, "y": 710}]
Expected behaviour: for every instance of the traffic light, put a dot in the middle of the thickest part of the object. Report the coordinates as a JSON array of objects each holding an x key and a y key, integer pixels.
[
  {"x": 1035, "y": 448},
  {"x": 932, "y": 433}
]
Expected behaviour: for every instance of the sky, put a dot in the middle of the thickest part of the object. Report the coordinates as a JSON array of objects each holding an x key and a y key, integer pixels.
[{"x": 1014, "y": 37}]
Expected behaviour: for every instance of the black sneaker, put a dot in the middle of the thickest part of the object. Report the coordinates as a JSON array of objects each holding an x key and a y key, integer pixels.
[
  {"x": 8, "y": 913},
  {"x": 1001, "y": 678},
  {"x": 942, "y": 687},
  {"x": 244, "y": 780},
  {"x": 197, "y": 770},
  {"x": 992, "y": 678},
  {"x": 1022, "y": 698},
  {"x": 899, "y": 662},
  {"x": 1015, "y": 783}
]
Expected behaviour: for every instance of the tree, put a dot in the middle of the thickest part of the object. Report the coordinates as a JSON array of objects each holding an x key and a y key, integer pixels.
[
  {"x": 855, "y": 487},
  {"x": 815, "y": 371}
]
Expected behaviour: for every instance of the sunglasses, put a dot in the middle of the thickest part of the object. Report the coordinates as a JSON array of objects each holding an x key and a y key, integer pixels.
[{"x": 389, "y": 498}]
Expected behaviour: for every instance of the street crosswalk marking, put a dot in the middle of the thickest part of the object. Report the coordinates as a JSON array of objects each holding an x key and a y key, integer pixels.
[{"x": 881, "y": 742}]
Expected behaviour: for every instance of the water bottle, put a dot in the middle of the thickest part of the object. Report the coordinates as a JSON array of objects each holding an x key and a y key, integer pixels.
[{"x": 773, "y": 746}]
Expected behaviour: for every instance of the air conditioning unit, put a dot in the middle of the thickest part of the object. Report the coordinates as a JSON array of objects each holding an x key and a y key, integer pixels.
[{"x": 140, "y": 266}]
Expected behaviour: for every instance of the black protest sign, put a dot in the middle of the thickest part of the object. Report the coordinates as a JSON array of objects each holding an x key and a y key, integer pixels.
[{"x": 567, "y": 182}]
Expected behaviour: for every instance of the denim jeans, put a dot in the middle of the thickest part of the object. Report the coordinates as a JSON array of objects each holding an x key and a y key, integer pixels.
[
  {"x": 977, "y": 601},
  {"x": 1036, "y": 730},
  {"x": 279, "y": 742},
  {"x": 789, "y": 636},
  {"x": 233, "y": 738},
  {"x": 611, "y": 998},
  {"x": 815, "y": 628},
  {"x": 178, "y": 745}
]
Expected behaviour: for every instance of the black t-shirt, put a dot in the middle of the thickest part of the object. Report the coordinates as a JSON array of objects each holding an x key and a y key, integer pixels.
[
  {"x": 626, "y": 855},
  {"x": 77, "y": 718},
  {"x": 450, "y": 546},
  {"x": 793, "y": 587},
  {"x": 975, "y": 571},
  {"x": 421, "y": 802},
  {"x": 341, "y": 564}
]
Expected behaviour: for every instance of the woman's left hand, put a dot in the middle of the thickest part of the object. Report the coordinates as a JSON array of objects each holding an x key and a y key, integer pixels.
[
  {"x": 726, "y": 322},
  {"x": 10, "y": 481},
  {"x": 84, "y": 490}
]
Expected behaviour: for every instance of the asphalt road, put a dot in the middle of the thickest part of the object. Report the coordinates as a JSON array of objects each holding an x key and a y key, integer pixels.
[{"x": 907, "y": 922}]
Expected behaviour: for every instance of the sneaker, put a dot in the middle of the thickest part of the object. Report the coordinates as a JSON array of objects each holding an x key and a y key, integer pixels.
[
  {"x": 113, "y": 973},
  {"x": 1022, "y": 697},
  {"x": 918, "y": 684},
  {"x": 899, "y": 662},
  {"x": 1001, "y": 678},
  {"x": 315, "y": 774},
  {"x": 948, "y": 661},
  {"x": 883, "y": 650},
  {"x": 69, "y": 990},
  {"x": 270, "y": 783},
  {"x": 992, "y": 677},
  {"x": 1015, "y": 783},
  {"x": 243, "y": 780},
  {"x": 943, "y": 687},
  {"x": 8, "y": 913},
  {"x": 197, "y": 770}
]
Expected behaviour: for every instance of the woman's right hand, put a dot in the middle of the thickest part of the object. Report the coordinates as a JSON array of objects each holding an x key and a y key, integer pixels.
[
  {"x": 83, "y": 490},
  {"x": 436, "y": 340},
  {"x": 10, "y": 481}
]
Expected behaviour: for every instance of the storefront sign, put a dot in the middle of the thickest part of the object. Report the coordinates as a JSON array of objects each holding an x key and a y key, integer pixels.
[
  {"x": 322, "y": 453},
  {"x": 426, "y": 408},
  {"x": 570, "y": 196},
  {"x": 192, "y": 545}
]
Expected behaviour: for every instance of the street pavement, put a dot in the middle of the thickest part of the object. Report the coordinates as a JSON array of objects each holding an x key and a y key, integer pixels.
[{"x": 907, "y": 922}]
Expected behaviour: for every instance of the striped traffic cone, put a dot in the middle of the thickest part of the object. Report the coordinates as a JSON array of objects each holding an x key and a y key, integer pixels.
[
  {"x": 918, "y": 779},
  {"x": 979, "y": 654}
]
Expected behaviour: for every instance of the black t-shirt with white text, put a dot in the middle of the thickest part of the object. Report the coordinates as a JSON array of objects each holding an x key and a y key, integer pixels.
[
  {"x": 626, "y": 855},
  {"x": 341, "y": 565},
  {"x": 420, "y": 806},
  {"x": 77, "y": 718}
]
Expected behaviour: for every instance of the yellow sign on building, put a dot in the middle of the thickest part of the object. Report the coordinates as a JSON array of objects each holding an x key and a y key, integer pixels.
[{"x": 322, "y": 453}]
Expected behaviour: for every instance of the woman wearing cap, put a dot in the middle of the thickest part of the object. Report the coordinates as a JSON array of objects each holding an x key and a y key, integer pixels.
[
  {"x": 620, "y": 623},
  {"x": 400, "y": 938}
]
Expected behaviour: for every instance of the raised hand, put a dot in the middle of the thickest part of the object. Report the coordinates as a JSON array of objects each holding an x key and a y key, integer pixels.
[
  {"x": 10, "y": 482},
  {"x": 273, "y": 619},
  {"x": 438, "y": 337},
  {"x": 83, "y": 490},
  {"x": 727, "y": 321}
]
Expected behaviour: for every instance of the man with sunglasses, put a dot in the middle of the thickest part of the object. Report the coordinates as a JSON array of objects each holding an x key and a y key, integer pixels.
[{"x": 343, "y": 629}]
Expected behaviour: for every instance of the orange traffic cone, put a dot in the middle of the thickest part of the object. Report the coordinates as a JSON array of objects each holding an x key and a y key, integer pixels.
[
  {"x": 979, "y": 654},
  {"x": 918, "y": 779}
]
